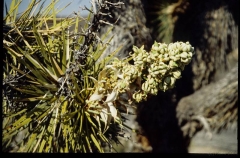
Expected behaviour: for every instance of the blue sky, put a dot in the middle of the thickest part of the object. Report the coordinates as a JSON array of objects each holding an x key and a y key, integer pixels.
[{"x": 74, "y": 6}]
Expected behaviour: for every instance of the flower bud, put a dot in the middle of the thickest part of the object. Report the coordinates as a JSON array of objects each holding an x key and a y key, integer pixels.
[
  {"x": 138, "y": 97},
  {"x": 190, "y": 54},
  {"x": 154, "y": 56},
  {"x": 154, "y": 48},
  {"x": 184, "y": 48},
  {"x": 135, "y": 49},
  {"x": 166, "y": 59},
  {"x": 170, "y": 48},
  {"x": 138, "y": 62},
  {"x": 148, "y": 90},
  {"x": 144, "y": 86},
  {"x": 186, "y": 61},
  {"x": 154, "y": 91},
  {"x": 155, "y": 73},
  {"x": 162, "y": 64},
  {"x": 171, "y": 53},
  {"x": 163, "y": 71},
  {"x": 176, "y": 59},
  {"x": 155, "y": 44},
  {"x": 184, "y": 55},
  {"x": 151, "y": 81},
  {"x": 172, "y": 64},
  {"x": 172, "y": 58},
  {"x": 149, "y": 59},
  {"x": 177, "y": 56},
  {"x": 162, "y": 46},
  {"x": 177, "y": 74},
  {"x": 189, "y": 48},
  {"x": 178, "y": 45},
  {"x": 162, "y": 51},
  {"x": 165, "y": 55},
  {"x": 160, "y": 56}
]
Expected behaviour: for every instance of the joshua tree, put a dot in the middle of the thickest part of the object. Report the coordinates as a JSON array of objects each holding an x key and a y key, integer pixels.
[{"x": 66, "y": 92}]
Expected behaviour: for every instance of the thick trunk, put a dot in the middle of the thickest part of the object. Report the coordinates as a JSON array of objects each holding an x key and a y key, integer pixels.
[{"x": 212, "y": 107}]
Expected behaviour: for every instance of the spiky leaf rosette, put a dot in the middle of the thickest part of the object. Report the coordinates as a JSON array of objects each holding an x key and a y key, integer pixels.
[{"x": 48, "y": 78}]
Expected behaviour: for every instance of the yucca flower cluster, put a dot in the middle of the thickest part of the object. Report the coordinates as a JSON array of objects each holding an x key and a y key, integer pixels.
[
  {"x": 152, "y": 71},
  {"x": 161, "y": 67}
]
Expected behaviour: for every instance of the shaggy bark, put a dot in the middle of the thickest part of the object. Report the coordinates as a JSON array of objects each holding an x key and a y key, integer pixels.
[
  {"x": 129, "y": 28},
  {"x": 213, "y": 107}
]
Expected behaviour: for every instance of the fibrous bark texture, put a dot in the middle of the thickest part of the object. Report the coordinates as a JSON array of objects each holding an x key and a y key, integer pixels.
[
  {"x": 212, "y": 107},
  {"x": 129, "y": 28}
]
